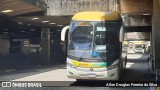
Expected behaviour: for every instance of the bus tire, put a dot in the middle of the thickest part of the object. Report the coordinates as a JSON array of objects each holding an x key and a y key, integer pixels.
[{"x": 120, "y": 69}]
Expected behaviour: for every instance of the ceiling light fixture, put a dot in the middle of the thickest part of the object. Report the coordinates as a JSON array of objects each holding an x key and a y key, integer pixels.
[
  {"x": 45, "y": 21},
  {"x": 36, "y": 18},
  {"x": 5, "y": 29},
  {"x": 23, "y": 31},
  {"x": 32, "y": 29},
  {"x": 7, "y": 11},
  {"x": 52, "y": 23},
  {"x": 146, "y": 14},
  {"x": 20, "y": 23},
  {"x": 59, "y": 25}
]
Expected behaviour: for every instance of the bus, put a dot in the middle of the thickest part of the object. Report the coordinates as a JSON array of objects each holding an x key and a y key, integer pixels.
[
  {"x": 95, "y": 46},
  {"x": 139, "y": 47}
]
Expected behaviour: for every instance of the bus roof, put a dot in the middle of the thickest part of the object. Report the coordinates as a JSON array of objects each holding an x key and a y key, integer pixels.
[{"x": 96, "y": 16}]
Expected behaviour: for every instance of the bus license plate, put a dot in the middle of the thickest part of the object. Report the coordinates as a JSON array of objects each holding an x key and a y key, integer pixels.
[{"x": 91, "y": 75}]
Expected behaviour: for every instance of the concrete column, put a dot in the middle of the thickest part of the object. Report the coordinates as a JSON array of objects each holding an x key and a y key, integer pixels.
[
  {"x": 45, "y": 45},
  {"x": 156, "y": 33}
]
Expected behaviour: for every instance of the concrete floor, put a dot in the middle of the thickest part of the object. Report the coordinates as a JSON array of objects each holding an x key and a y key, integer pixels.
[{"x": 136, "y": 70}]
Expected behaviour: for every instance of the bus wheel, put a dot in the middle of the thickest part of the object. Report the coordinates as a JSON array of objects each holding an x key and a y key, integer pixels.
[{"x": 120, "y": 69}]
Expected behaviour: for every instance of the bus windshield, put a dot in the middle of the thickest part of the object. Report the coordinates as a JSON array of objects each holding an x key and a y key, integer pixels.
[
  {"x": 93, "y": 40},
  {"x": 80, "y": 44},
  {"x": 106, "y": 38}
]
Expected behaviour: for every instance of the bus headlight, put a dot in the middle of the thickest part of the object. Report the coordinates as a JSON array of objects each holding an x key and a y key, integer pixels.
[
  {"x": 112, "y": 66},
  {"x": 71, "y": 65}
]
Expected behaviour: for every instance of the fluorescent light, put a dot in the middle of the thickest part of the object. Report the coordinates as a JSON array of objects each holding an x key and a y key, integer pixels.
[
  {"x": 7, "y": 11},
  {"x": 29, "y": 24},
  {"x": 59, "y": 25},
  {"x": 52, "y": 23},
  {"x": 5, "y": 29},
  {"x": 20, "y": 23},
  {"x": 23, "y": 31},
  {"x": 5, "y": 32},
  {"x": 32, "y": 29},
  {"x": 35, "y": 18},
  {"x": 45, "y": 21},
  {"x": 146, "y": 14}
]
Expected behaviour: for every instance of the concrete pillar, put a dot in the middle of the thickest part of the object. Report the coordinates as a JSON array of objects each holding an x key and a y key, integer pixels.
[
  {"x": 156, "y": 33},
  {"x": 45, "y": 45}
]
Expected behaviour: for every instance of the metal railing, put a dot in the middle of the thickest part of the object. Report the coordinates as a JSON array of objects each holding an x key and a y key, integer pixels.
[{"x": 38, "y": 3}]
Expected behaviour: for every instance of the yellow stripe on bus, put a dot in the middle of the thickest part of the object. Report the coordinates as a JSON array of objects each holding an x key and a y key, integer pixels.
[{"x": 88, "y": 64}]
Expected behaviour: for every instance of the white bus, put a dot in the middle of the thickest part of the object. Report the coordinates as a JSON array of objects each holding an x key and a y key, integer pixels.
[{"x": 95, "y": 46}]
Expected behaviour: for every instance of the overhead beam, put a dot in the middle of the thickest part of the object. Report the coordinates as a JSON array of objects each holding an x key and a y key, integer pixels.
[
  {"x": 70, "y": 7},
  {"x": 136, "y": 20},
  {"x": 29, "y": 10},
  {"x": 139, "y": 29},
  {"x": 136, "y": 6},
  {"x": 20, "y": 7},
  {"x": 6, "y": 1}
]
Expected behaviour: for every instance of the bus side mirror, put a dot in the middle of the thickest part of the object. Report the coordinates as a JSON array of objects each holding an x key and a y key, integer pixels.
[
  {"x": 63, "y": 33},
  {"x": 121, "y": 34}
]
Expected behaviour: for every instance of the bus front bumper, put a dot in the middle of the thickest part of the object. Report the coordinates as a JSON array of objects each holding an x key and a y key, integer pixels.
[{"x": 102, "y": 75}]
